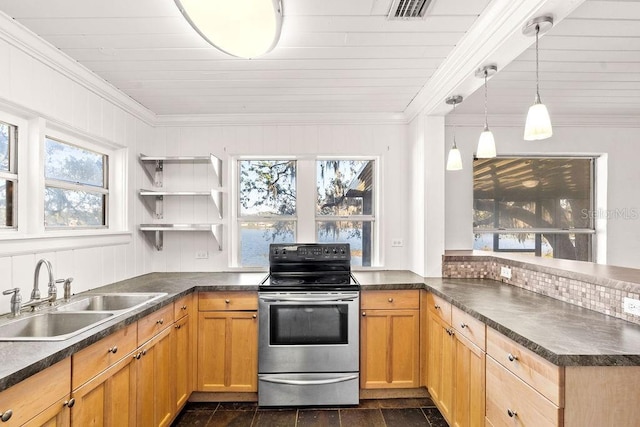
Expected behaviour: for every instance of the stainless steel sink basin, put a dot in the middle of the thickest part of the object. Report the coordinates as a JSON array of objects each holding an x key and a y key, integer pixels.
[
  {"x": 50, "y": 326},
  {"x": 109, "y": 302}
]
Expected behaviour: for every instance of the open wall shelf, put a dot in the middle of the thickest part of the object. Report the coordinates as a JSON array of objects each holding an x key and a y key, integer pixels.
[
  {"x": 157, "y": 231},
  {"x": 154, "y": 199}
]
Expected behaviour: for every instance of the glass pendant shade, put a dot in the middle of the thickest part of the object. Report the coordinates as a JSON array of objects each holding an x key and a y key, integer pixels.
[
  {"x": 486, "y": 145},
  {"x": 538, "y": 125},
  {"x": 242, "y": 28},
  {"x": 454, "y": 160}
]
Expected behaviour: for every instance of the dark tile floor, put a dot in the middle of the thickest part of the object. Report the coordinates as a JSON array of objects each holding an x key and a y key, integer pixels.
[{"x": 370, "y": 413}]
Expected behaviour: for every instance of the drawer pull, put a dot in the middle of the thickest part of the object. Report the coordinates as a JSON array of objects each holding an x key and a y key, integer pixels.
[
  {"x": 463, "y": 325},
  {"x": 69, "y": 403},
  {"x": 6, "y": 415},
  {"x": 390, "y": 300},
  {"x": 437, "y": 307},
  {"x": 511, "y": 413},
  {"x": 512, "y": 358},
  {"x": 137, "y": 356},
  {"x": 113, "y": 349},
  {"x": 451, "y": 332},
  {"x": 178, "y": 326},
  {"x": 184, "y": 307},
  {"x": 160, "y": 322},
  {"x": 144, "y": 352},
  {"x": 227, "y": 301},
  {"x": 364, "y": 314},
  {"x": 255, "y": 316}
]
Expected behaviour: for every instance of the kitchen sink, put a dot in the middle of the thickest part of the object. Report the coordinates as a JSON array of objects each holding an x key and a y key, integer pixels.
[
  {"x": 110, "y": 302},
  {"x": 50, "y": 326}
]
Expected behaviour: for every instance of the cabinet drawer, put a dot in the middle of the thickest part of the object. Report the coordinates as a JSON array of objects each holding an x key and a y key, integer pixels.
[
  {"x": 35, "y": 394},
  {"x": 539, "y": 373},
  {"x": 227, "y": 301},
  {"x": 439, "y": 307},
  {"x": 388, "y": 300},
  {"x": 511, "y": 402},
  {"x": 183, "y": 306},
  {"x": 90, "y": 361},
  {"x": 469, "y": 327},
  {"x": 154, "y": 323}
]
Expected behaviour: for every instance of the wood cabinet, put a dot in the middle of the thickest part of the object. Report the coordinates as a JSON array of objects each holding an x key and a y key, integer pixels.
[
  {"x": 42, "y": 399},
  {"x": 184, "y": 356},
  {"x": 155, "y": 369},
  {"x": 456, "y": 363},
  {"x": 227, "y": 342},
  {"x": 390, "y": 339}
]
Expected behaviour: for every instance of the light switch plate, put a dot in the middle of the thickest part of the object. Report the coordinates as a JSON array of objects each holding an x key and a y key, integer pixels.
[
  {"x": 632, "y": 306},
  {"x": 396, "y": 243},
  {"x": 505, "y": 272},
  {"x": 202, "y": 255}
]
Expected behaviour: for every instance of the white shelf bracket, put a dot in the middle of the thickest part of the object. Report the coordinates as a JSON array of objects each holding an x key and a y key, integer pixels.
[
  {"x": 216, "y": 196},
  {"x": 217, "y": 168},
  {"x": 216, "y": 230}
]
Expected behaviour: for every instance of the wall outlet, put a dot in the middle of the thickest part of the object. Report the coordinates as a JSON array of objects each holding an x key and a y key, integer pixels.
[
  {"x": 202, "y": 254},
  {"x": 632, "y": 306},
  {"x": 505, "y": 272},
  {"x": 396, "y": 243}
]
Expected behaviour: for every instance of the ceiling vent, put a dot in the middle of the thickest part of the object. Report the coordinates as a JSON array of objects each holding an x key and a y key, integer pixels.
[{"x": 409, "y": 9}]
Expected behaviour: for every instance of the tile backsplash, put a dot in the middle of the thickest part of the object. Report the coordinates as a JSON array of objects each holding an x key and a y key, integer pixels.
[{"x": 561, "y": 286}]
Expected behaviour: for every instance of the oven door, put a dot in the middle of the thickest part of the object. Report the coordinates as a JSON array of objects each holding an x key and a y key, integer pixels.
[{"x": 308, "y": 332}]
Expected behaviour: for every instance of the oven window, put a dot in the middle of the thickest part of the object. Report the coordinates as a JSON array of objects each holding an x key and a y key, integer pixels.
[{"x": 308, "y": 324}]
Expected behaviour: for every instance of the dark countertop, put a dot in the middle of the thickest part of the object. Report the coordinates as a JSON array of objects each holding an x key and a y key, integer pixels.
[{"x": 562, "y": 333}]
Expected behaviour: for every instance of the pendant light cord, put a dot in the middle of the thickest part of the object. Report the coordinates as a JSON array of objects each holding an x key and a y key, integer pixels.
[
  {"x": 486, "y": 124},
  {"x": 537, "y": 66},
  {"x": 454, "y": 126}
]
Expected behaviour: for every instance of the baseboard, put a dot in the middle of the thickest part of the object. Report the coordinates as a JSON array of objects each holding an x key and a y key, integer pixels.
[
  {"x": 394, "y": 393},
  {"x": 202, "y": 396}
]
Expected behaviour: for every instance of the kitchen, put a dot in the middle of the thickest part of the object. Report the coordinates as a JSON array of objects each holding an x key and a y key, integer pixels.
[{"x": 51, "y": 94}]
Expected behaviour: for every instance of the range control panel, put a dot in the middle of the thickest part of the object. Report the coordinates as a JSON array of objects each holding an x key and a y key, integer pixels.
[{"x": 295, "y": 252}]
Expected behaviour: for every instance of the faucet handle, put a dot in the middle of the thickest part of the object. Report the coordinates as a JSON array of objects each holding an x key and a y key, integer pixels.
[
  {"x": 16, "y": 300},
  {"x": 14, "y": 291}
]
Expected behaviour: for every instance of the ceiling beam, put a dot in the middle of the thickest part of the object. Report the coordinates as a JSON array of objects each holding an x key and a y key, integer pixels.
[{"x": 495, "y": 38}]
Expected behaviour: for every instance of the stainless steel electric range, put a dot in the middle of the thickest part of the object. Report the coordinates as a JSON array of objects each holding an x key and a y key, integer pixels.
[{"x": 308, "y": 327}]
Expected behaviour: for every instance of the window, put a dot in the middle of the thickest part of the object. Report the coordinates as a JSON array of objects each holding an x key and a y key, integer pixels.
[
  {"x": 535, "y": 205},
  {"x": 345, "y": 205},
  {"x": 8, "y": 176},
  {"x": 76, "y": 186},
  {"x": 267, "y": 208}
]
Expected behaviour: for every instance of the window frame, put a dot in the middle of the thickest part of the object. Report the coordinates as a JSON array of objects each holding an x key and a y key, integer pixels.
[
  {"x": 11, "y": 174},
  {"x": 538, "y": 232}
]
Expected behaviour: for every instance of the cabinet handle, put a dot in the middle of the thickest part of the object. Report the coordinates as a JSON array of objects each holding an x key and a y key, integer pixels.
[
  {"x": 177, "y": 326},
  {"x": 160, "y": 322},
  {"x": 69, "y": 403},
  {"x": 512, "y": 358},
  {"x": 463, "y": 325},
  {"x": 512, "y": 413},
  {"x": 390, "y": 300},
  {"x": 144, "y": 352},
  {"x": 184, "y": 307},
  {"x": 437, "y": 307},
  {"x": 137, "y": 356},
  {"x": 227, "y": 301},
  {"x": 113, "y": 349},
  {"x": 364, "y": 314},
  {"x": 254, "y": 316},
  {"x": 6, "y": 415}
]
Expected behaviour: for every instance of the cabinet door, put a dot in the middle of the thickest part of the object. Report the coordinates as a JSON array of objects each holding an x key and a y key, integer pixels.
[
  {"x": 155, "y": 386},
  {"x": 183, "y": 345},
  {"x": 228, "y": 351},
  {"x": 108, "y": 399},
  {"x": 390, "y": 349},
  {"x": 469, "y": 377},
  {"x": 57, "y": 415},
  {"x": 440, "y": 364}
]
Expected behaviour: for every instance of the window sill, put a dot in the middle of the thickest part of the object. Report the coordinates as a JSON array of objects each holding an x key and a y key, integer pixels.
[{"x": 12, "y": 244}]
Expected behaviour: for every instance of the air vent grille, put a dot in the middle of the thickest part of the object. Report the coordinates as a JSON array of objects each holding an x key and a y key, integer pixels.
[{"x": 409, "y": 9}]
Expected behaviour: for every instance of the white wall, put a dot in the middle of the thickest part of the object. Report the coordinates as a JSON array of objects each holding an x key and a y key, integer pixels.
[
  {"x": 620, "y": 142},
  {"x": 34, "y": 88},
  {"x": 386, "y": 141}
]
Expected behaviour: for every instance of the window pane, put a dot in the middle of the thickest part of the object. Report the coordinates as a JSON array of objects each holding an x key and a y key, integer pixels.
[
  {"x": 66, "y": 162},
  {"x": 267, "y": 187},
  {"x": 359, "y": 234},
  {"x": 4, "y": 146},
  {"x": 255, "y": 238},
  {"x": 6, "y": 203},
  {"x": 344, "y": 187},
  {"x": 549, "y": 245},
  {"x": 69, "y": 208}
]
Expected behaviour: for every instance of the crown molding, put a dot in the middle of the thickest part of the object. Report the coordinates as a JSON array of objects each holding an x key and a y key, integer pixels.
[
  {"x": 517, "y": 120},
  {"x": 280, "y": 119},
  {"x": 39, "y": 49}
]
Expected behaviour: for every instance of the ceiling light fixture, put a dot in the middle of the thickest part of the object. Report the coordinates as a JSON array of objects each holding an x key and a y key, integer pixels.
[
  {"x": 538, "y": 125},
  {"x": 454, "y": 160},
  {"x": 242, "y": 28},
  {"x": 486, "y": 143}
]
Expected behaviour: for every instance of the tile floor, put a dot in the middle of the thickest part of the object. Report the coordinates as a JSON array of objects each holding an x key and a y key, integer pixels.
[{"x": 370, "y": 413}]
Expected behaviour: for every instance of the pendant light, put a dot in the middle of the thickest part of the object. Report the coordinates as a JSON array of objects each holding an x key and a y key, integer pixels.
[
  {"x": 454, "y": 160},
  {"x": 538, "y": 125},
  {"x": 486, "y": 143}
]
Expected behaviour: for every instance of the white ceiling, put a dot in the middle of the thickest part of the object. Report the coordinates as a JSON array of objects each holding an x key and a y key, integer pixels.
[{"x": 339, "y": 56}]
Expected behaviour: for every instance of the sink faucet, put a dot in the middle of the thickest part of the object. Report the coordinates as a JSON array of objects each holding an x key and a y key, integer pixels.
[{"x": 35, "y": 294}]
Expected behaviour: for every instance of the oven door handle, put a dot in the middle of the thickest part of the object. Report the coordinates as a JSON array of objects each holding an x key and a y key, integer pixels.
[
  {"x": 308, "y": 382},
  {"x": 306, "y": 299}
]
